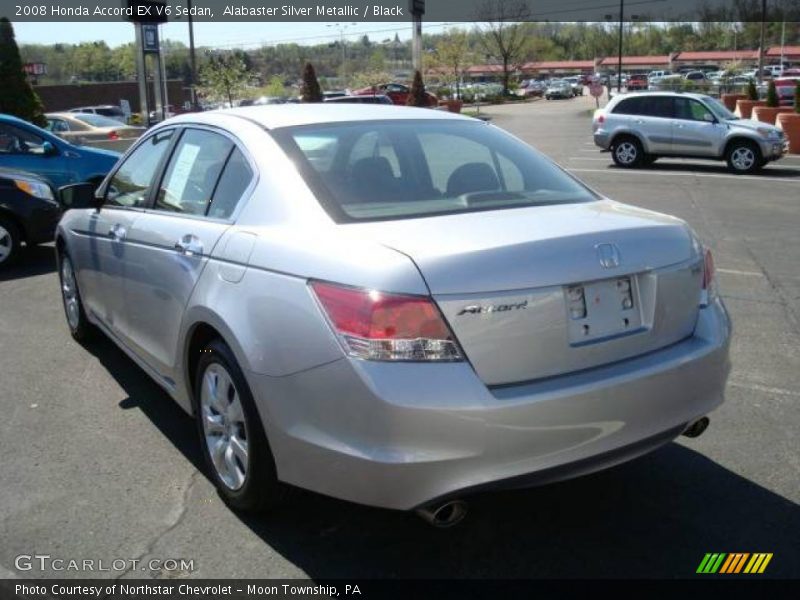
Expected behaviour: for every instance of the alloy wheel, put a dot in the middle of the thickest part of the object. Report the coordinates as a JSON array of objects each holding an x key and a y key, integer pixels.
[
  {"x": 626, "y": 153},
  {"x": 743, "y": 158},
  {"x": 69, "y": 290},
  {"x": 224, "y": 426},
  {"x": 6, "y": 244}
]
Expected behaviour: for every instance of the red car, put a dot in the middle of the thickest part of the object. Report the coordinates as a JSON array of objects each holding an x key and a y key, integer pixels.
[
  {"x": 397, "y": 92},
  {"x": 785, "y": 86},
  {"x": 637, "y": 82}
]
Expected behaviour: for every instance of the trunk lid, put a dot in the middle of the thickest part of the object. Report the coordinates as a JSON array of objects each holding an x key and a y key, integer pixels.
[{"x": 502, "y": 280}]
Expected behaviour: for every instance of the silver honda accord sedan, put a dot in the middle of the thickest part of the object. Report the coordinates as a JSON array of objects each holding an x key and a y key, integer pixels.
[{"x": 392, "y": 306}]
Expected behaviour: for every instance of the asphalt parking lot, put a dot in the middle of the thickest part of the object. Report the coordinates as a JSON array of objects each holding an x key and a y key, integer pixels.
[{"x": 98, "y": 463}]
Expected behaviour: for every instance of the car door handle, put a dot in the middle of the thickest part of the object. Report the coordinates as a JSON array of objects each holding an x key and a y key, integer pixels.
[
  {"x": 639, "y": 122},
  {"x": 117, "y": 232},
  {"x": 189, "y": 245}
]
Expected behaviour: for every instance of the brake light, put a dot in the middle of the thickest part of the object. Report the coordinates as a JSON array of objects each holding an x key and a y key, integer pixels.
[
  {"x": 708, "y": 270},
  {"x": 378, "y": 326},
  {"x": 601, "y": 118},
  {"x": 113, "y": 135},
  {"x": 709, "y": 291}
]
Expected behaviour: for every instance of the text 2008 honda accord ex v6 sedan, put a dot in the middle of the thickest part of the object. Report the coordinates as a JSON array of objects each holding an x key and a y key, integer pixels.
[{"x": 392, "y": 306}]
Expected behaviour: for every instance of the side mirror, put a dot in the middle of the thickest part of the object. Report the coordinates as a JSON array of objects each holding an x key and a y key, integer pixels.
[
  {"x": 708, "y": 117},
  {"x": 79, "y": 195},
  {"x": 48, "y": 149}
]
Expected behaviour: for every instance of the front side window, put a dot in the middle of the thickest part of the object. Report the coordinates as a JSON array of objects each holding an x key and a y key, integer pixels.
[
  {"x": 691, "y": 110},
  {"x": 401, "y": 169},
  {"x": 130, "y": 186}
]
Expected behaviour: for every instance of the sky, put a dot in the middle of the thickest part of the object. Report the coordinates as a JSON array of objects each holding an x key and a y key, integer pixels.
[{"x": 219, "y": 34}]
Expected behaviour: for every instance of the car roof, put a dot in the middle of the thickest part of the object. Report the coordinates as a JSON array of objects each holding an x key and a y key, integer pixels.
[{"x": 290, "y": 115}]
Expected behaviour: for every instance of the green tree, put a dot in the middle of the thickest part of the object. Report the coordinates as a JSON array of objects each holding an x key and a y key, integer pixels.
[
  {"x": 310, "y": 90},
  {"x": 16, "y": 94},
  {"x": 224, "y": 76},
  {"x": 452, "y": 52},
  {"x": 504, "y": 34},
  {"x": 275, "y": 87},
  {"x": 416, "y": 96}
]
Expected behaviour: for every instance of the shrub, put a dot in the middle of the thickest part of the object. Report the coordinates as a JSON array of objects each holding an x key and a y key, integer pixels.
[
  {"x": 310, "y": 90},
  {"x": 16, "y": 94},
  {"x": 416, "y": 96},
  {"x": 772, "y": 95},
  {"x": 752, "y": 92}
]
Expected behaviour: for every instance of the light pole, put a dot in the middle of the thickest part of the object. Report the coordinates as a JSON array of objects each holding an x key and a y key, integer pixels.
[
  {"x": 760, "y": 74},
  {"x": 341, "y": 27},
  {"x": 192, "y": 58}
]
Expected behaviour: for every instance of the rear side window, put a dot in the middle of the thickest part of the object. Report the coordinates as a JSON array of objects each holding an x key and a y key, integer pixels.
[
  {"x": 235, "y": 179},
  {"x": 193, "y": 172},
  {"x": 628, "y": 106},
  {"x": 647, "y": 106}
]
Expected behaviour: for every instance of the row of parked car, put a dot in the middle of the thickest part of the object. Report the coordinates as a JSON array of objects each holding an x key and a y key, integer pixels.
[{"x": 551, "y": 89}]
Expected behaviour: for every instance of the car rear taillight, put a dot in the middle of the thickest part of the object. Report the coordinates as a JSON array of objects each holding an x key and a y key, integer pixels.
[
  {"x": 709, "y": 279},
  {"x": 601, "y": 118},
  {"x": 378, "y": 326},
  {"x": 113, "y": 135}
]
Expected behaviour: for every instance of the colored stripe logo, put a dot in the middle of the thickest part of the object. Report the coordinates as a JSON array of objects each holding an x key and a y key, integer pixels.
[{"x": 735, "y": 562}]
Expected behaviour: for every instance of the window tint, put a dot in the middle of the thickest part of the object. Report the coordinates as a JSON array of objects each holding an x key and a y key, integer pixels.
[
  {"x": 131, "y": 183},
  {"x": 656, "y": 106},
  {"x": 691, "y": 110},
  {"x": 233, "y": 183},
  {"x": 629, "y": 106},
  {"x": 16, "y": 140},
  {"x": 193, "y": 172},
  {"x": 433, "y": 167},
  {"x": 57, "y": 125}
]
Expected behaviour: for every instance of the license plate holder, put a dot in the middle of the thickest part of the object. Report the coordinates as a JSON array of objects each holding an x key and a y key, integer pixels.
[{"x": 606, "y": 313}]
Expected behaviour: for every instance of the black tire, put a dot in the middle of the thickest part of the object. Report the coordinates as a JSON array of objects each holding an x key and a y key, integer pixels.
[
  {"x": 10, "y": 241},
  {"x": 79, "y": 326},
  {"x": 627, "y": 152},
  {"x": 260, "y": 489},
  {"x": 743, "y": 157}
]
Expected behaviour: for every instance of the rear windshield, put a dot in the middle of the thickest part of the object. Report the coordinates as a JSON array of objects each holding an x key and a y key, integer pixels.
[{"x": 381, "y": 170}]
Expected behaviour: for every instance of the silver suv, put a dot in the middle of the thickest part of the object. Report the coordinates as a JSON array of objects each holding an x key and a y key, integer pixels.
[{"x": 639, "y": 128}]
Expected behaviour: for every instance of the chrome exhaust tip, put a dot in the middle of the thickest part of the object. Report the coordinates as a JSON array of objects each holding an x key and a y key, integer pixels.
[
  {"x": 444, "y": 515},
  {"x": 696, "y": 428}
]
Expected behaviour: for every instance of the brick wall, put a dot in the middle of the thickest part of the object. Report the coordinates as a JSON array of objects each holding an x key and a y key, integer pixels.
[{"x": 62, "y": 97}]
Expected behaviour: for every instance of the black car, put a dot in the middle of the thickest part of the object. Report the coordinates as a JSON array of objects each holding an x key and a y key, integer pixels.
[{"x": 29, "y": 212}]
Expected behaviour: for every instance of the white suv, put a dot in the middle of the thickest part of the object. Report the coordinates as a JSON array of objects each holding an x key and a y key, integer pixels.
[{"x": 638, "y": 128}]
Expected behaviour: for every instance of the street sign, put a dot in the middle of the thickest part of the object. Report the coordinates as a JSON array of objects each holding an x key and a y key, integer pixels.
[
  {"x": 150, "y": 38},
  {"x": 596, "y": 90},
  {"x": 35, "y": 68}
]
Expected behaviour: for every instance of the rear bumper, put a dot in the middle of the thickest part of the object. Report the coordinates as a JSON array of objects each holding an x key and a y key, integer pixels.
[
  {"x": 602, "y": 139},
  {"x": 401, "y": 435}
]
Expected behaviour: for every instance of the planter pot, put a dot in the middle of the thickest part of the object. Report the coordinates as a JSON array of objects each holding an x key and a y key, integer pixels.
[
  {"x": 744, "y": 108},
  {"x": 729, "y": 100},
  {"x": 790, "y": 123},
  {"x": 454, "y": 106},
  {"x": 767, "y": 114}
]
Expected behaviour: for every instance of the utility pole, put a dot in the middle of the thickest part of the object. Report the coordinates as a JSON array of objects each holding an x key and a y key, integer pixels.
[
  {"x": 342, "y": 27},
  {"x": 417, "y": 9},
  {"x": 760, "y": 74},
  {"x": 192, "y": 58},
  {"x": 619, "y": 60}
]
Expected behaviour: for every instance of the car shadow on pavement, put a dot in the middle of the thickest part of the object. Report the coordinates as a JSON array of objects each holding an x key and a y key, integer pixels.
[
  {"x": 32, "y": 261},
  {"x": 652, "y": 517},
  {"x": 715, "y": 168}
]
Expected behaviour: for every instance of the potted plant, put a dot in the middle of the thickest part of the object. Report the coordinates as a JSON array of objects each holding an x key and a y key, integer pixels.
[
  {"x": 744, "y": 108},
  {"x": 768, "y": 113},
  {"x": 790, "y": 123}
]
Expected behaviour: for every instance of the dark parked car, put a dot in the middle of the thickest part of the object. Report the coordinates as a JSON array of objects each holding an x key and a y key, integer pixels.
[
  {"x": 377, "y": 99},
  {"x": 29, "y": 212},
  {"x": 29, "y": 148},
  {"x": 637, "y": 82}
]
